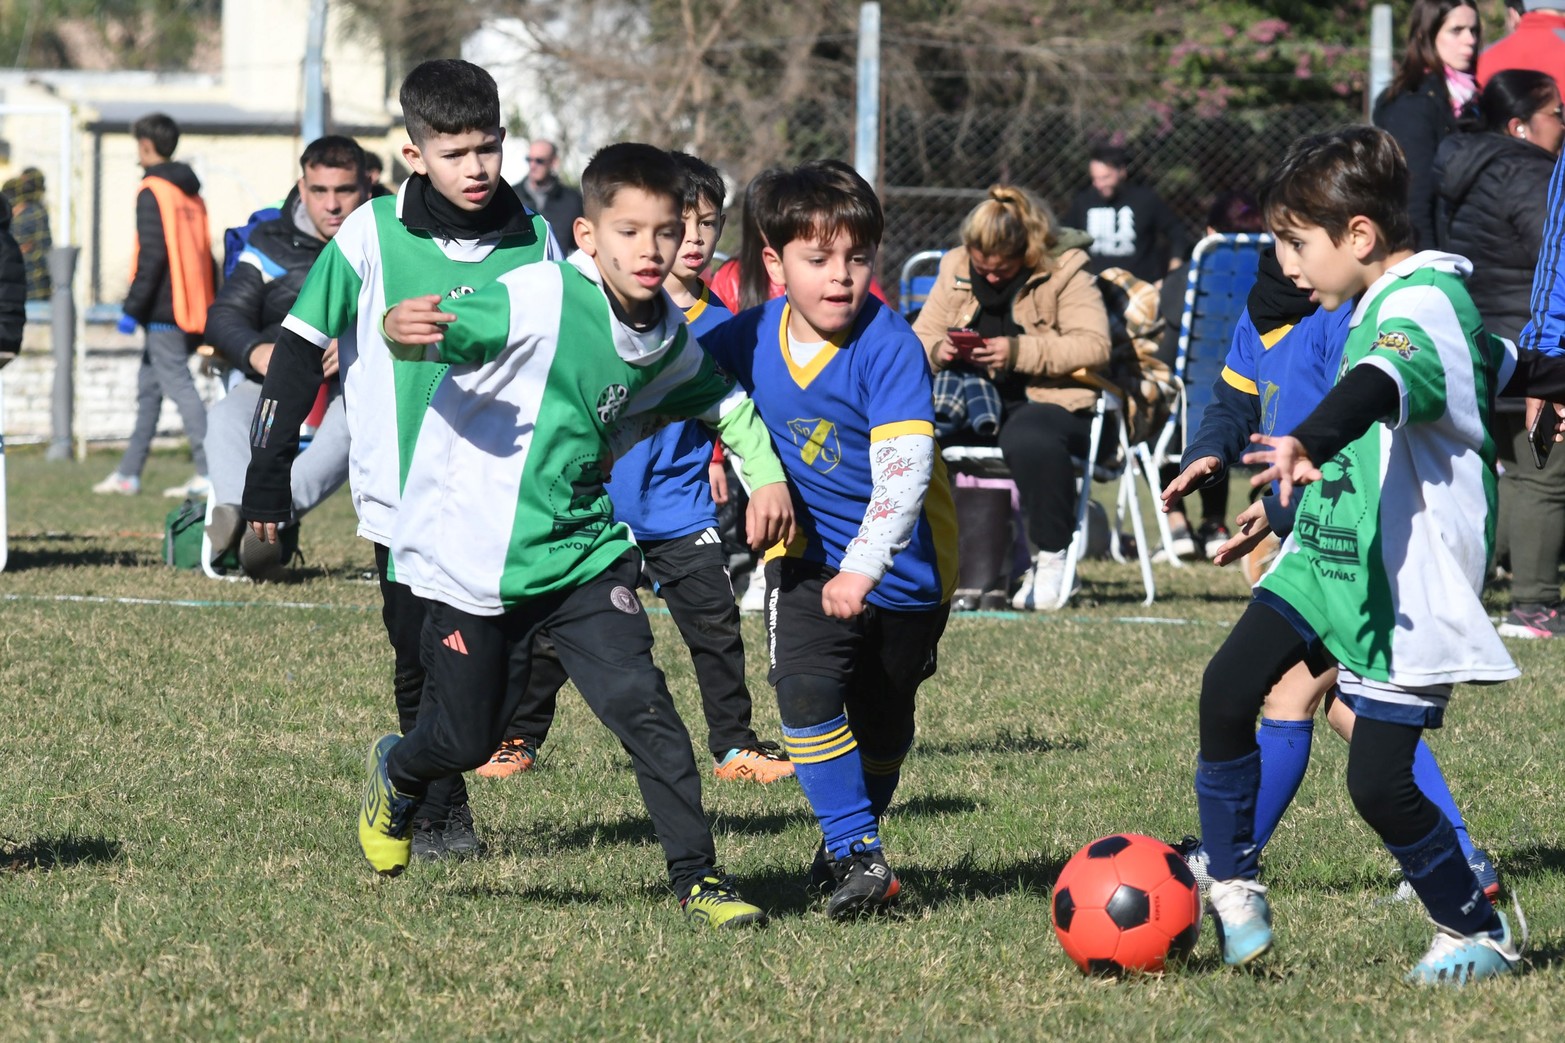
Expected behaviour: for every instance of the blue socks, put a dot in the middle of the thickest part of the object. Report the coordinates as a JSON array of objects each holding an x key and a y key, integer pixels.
[
  {"x": 880, "y": 779},
  {"x": 1438, "y": 871},
  {"x": 1225, "y": 792},
  {"x": 827, "y": 764},
  {"x": 1285, "y": 755},
  {"x": 1430, "y": 781}
]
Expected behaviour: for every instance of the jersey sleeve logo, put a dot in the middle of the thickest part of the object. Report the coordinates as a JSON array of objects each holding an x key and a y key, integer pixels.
[
  {"x": 610, "y": 401},
  {"x": 817, "y": 442},
  {"x": 457, "y": 292},
  {"x": 1398, "y": 342}
]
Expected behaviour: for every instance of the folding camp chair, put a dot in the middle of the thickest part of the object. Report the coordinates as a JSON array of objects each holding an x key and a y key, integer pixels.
[
  {"x": 918, "y": 279},
  {"x": 1109, "y": 410},
  {"x": 1222, "y": 270}
]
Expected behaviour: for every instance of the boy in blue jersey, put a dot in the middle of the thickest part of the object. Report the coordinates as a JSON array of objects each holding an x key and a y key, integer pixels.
[
  {"x": 661, "y": 489},
  {"x": 857, "y": 602},
  {"x": 1284, "y": 358}
]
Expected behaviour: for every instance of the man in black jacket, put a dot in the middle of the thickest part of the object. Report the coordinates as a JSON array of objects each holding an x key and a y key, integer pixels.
[
  {"x": 544, "y": 193},
  {"x": 243, "y": 325},
  {"x": 13, "y": 288},
  {"x": 1131, "y": 227}
]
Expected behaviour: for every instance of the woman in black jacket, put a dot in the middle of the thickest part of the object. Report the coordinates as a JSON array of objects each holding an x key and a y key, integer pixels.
[
  {"x": 1433, "y": 87},
  {"x": 1493, "y": 195}
]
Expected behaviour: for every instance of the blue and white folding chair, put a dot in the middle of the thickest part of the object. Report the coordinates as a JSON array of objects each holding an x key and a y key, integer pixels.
[
  {"x": 1222, "y": 270},
  {"x": 918, "y": 279}
]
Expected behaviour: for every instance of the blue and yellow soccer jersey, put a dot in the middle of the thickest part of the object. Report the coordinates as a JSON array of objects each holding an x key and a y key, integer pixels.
[
  {"x": 871, "y": 384},
  {"x": 660, "y": 488},
  {"x": 1289, "y": 368}
]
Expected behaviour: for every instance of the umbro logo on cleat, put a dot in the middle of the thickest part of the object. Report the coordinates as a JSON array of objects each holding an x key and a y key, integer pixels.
[{"x": 455, "y": 642}]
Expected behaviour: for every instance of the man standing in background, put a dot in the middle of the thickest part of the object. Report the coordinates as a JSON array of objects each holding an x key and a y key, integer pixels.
[{"x": 545, "y": 194}]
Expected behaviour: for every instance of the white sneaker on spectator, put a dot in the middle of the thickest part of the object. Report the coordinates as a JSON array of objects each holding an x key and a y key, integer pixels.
[
  {"x": 754, "y": 599},
  {"x": 125, "y": 485},
  {"x": 1040, "y": 589},
  {"x": 198, "y": 488}
]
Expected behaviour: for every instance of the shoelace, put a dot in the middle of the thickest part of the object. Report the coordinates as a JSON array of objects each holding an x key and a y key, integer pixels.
[{"x": 770, "y": 750}]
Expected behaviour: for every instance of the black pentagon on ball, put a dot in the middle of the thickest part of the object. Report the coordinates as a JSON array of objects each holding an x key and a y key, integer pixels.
[
  {"x": 1064, "y": 909},
  {"x": 1103, "y": 967},
  {"x": 1184, "y": 943},
  {"x": 1108, "y": 847},
  {"x": 1128, "y": 907},
  {"x": 1179, "y": 869}
]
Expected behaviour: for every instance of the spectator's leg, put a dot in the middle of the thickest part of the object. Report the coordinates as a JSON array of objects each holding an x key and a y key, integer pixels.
[
  {"x": 228, "y": 441},
  {"x": 149, "y": 400},
  {"x": 321, "y": 471},
  {"x": 170, "y": 355},
  {"x": 1535, "y": 501},
  {"x": 1038, "y": 441}
]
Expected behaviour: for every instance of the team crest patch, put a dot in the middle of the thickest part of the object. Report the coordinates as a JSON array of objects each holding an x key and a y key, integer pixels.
[
  {"x": 458, "y": 291},
  {"x": 624, "y": 600},
  {"x": 817, "y": 442},
  {"x": 1393, "y": 340},
  {"x": 610, "y": 401}
]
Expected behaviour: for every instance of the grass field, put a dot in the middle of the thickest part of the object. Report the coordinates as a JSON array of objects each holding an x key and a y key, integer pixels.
[{"x": 177, "y": 858}]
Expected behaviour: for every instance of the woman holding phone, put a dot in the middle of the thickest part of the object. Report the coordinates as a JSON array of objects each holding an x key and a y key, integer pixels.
[{"x": 1017, "y": 301}]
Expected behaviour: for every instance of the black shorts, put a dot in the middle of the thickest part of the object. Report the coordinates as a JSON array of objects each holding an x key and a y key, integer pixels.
[{"x": 889, "y": 649}]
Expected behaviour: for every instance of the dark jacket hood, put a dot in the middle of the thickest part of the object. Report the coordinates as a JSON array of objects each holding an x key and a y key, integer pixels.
[
  {"x": 1467, "y": 156},
  {"x": 177, "y": 174}
]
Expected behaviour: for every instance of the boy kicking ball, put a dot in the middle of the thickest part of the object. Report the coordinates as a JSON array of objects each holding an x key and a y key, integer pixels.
[{"x": 1383, "y": 570}]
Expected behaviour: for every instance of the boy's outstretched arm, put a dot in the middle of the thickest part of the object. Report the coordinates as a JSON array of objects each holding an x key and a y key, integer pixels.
[
  {"x": 901, "y": 465},
  {"x": 1366, "y": 396},
  {"x": 288, "y": 391}
]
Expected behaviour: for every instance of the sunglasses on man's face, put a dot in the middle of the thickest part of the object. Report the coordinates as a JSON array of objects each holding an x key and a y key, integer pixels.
[{"x": 539, "y": 160}]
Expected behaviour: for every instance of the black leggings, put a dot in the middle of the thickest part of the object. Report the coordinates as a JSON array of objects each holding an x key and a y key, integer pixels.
[
  {"x": 1038, "y": 441},
  {"x": 1262, "y": 647}
]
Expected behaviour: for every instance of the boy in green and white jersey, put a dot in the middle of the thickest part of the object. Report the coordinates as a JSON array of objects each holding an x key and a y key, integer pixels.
[
  {"x": 1383, "y": 570},
  {"x": 505, "y": 526},
  {"x": 453, "y": 225}
]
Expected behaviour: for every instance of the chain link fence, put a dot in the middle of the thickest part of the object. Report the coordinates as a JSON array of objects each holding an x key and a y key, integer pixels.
[{"x": 937, "y": 165}]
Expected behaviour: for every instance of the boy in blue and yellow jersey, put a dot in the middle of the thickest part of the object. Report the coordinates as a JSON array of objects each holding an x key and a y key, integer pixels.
[
  {"x": 857, "y": 603},
  {"x": 661, "y": 489}
]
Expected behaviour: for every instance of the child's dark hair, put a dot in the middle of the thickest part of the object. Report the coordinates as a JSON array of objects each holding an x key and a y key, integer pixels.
[
  {"x": 1235, "y": 211},
  {"x": 703, "y": 184},
  {"x": 160, "y": 129},
  {"x": 629, "y": 164},
  {"x": 754, "y": 284},
  {"x": 1515, "y": 94},
  {"x": 818, "y": 201},
  {"x": 448, "y": 96},
  {"x": 1328, "y": 179},
  {"x": 335, "y": 151}
]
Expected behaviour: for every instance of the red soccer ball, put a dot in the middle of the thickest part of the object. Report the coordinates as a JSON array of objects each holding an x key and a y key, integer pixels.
[{"x": 1126, "y": 903}]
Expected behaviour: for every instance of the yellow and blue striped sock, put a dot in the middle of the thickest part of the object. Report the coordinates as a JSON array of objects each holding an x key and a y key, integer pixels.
[
  {"x": 826, "y": 762},
  {"x": 881, "y": 775}
]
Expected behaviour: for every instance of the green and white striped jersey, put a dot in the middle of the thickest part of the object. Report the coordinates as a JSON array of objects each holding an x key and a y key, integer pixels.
[
  {"x": 1390, "y": 549},
  {"x": 504, "y": 497},
  {"x": 373, "y": 262}
]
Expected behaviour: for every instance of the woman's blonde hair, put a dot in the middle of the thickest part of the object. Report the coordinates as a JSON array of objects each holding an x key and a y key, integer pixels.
[{"x": 1012, "y": 222}]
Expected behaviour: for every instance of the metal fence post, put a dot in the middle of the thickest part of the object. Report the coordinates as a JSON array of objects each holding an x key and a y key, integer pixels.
[
  {"x": 62, "y": 335},
  {"x": 1380, "y": 49},
  {"x": 866, "y": 128}
]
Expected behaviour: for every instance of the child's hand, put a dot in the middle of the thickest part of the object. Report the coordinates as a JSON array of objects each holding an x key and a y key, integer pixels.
[
  {"x": 266, "y": 532},
  {"x": 1189, "y": 478},
  {"x": 1287, "y": 465},
  {"x": 1253, "y": 527},
  {"x": 329, "y": 360},
  {"x": 417, "y": 320},
  {"x": 719, "y": 477},
  {"x": 769, "y": 519},
  {"x": 843, "y": 595}
]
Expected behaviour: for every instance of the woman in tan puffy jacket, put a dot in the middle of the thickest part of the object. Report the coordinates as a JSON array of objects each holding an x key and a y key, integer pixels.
[{"x": 1025, "y": 289}]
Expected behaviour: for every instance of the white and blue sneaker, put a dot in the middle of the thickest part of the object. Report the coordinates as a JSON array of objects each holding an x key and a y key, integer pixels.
[
  {"x": 1243, "y": 919},
  {"x": 1457, "y": 959}
]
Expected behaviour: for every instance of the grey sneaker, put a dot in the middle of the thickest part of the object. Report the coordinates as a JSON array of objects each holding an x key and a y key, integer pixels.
[
  {"x": 1532, "y": 622},
  {"x": 224, "y": 529}
]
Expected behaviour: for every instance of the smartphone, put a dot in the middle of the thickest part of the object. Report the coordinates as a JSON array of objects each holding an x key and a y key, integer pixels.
[
  {"x": 965, "y": 341},
  {"x": 1541, "y": 435}
]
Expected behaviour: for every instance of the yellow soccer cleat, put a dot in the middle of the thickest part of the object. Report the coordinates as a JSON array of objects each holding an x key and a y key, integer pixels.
[
  {"x": 385, "y": 816},
  {"x": 715, "y": 902}
]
